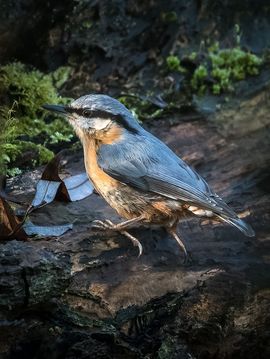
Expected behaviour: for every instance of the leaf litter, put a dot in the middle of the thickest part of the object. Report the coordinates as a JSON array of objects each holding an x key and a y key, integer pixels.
[{"x": 49, "y": 188}]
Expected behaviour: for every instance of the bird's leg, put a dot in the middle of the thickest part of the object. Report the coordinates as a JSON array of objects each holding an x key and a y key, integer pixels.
[
  {"x": 172, "y": 231},
  {"x": 120, "y": 227}
]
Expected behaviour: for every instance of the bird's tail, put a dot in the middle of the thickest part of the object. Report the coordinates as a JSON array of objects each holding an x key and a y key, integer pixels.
[{"x": 241, "y": 225}]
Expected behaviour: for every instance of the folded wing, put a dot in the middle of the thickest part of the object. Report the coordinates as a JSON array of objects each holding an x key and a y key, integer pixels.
[{"x": 147, "y": 164}]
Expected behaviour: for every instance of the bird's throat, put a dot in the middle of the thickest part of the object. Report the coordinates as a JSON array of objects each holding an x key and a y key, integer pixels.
[
  {"x": 102, "y": 182},
  {"x": 110, "y": 136}
]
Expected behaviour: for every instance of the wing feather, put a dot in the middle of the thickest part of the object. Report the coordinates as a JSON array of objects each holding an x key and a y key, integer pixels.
[{"x": 148, "y": 164}]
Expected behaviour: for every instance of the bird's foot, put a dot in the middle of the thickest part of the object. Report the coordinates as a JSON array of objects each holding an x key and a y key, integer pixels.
[
  {"x": 110, "y": 226},
  {"x": 104, "y": 225}
]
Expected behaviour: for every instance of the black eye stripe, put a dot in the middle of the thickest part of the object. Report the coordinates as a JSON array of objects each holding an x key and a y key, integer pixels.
[
  {"x": 104, "y": 115},
  {"x": 87, "y": 112}
]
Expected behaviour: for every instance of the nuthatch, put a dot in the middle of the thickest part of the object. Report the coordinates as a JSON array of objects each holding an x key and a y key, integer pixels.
[{"x": 136, "y": 173}]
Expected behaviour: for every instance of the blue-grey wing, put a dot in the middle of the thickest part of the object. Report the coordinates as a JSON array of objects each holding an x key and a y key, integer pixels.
[{"x": 147, "y": 164}]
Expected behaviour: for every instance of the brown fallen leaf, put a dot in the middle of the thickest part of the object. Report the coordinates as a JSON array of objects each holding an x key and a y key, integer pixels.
[{"x": 10, "y": 226}]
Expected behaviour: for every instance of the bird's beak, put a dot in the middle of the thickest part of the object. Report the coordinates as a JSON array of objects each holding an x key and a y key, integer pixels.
[{"x": 56, "y": 108}]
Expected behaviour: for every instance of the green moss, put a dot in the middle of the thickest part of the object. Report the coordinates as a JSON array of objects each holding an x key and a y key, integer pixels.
[
  {"x": 174, "y": 64},
  {"x": 24, "y": 124},
  {"x": 216, "y": 69},
  {"x": 221, "y": 68},
  {"x": 142, "y": 109},
  {"x": 199, "y": 77},
  {"x": 8, "y": 150},
  {"x": 135, "y": 105},
  {"x": 87, "y": 24},
  {"x": 168, "y": 17}
]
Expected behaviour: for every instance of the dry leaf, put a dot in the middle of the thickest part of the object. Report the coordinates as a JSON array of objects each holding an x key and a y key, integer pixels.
[{"x": 10, "y": 226}]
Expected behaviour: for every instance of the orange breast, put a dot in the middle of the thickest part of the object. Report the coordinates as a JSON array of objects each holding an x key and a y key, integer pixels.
[
  {"x": 127, "y": 201},
  {"x": 102, "y": 182}
]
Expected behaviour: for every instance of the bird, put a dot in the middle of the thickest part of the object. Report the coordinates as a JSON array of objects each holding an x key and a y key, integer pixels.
[{"x": 138, "y": 174}]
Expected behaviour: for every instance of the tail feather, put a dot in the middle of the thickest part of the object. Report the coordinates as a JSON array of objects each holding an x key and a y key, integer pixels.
[{"x": 241, "y": 225}]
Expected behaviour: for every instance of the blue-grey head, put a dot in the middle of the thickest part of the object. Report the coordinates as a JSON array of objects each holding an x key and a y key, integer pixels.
[{"x": 91, "y": 113}]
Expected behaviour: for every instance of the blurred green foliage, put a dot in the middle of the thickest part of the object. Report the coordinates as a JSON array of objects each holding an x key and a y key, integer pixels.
[
  {"x": 174, "y": 64},
  {"x": 168, "y": 17},
  {"x": 217, "y": 70},
  {"x": 221, "y": 68},
  {"x": 24, "y": 126},
  {"x": 141, "y": 109}
]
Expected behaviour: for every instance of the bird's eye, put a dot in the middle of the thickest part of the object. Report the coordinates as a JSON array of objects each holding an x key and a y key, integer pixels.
[{"x": 87, "y": 113}]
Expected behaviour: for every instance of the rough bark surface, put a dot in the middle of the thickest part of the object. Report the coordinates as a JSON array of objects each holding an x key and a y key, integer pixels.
[{"x": 87, "y": 295}]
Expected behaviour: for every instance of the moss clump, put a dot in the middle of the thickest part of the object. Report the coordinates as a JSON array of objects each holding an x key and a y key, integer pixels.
[
  {"x": 174, "y": 64},
  {"x": 24, "y": 128},
  {"x": 217, "y": 70},
  {"x": 221, "y": 68},
  {"x": 8, "y": 150},
  {"x": 231, "y": 65},
  {"x": 199, "y": 77},
  {"x": 136, "y": 105},
  {"x": 141, "y": 108},
  {"x": 169, "y": 17}
]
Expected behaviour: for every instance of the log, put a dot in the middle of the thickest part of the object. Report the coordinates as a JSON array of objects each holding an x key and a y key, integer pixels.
[{"x": 87, "y": 295}]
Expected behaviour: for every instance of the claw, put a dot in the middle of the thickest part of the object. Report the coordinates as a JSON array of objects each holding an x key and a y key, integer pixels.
[
  {"x": 100, "y": 224},
  {"x": 187, "y": 258},
  {"x": 109, "y": 225},
  {"x": 134, "y": 241},
  {"x": 106, "y": 224}
]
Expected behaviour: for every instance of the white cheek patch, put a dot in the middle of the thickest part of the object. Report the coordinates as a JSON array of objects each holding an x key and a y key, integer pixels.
[
  {"x": 88, "y": 124},
  {"x": 99, "y": 124}
]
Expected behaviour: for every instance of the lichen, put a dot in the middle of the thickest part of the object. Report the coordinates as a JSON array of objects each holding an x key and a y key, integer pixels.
[{"x": 24, "y": 125}]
